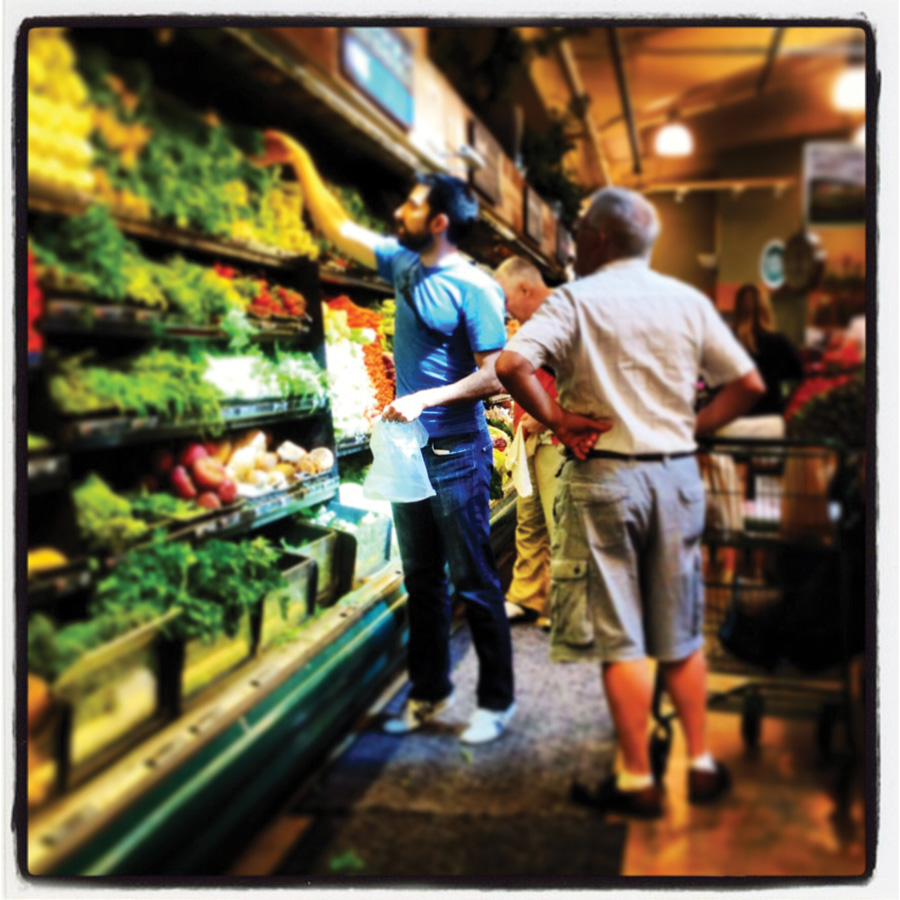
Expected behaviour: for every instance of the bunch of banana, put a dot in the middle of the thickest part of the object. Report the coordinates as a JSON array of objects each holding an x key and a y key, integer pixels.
[{"x": 59, "y": 116}]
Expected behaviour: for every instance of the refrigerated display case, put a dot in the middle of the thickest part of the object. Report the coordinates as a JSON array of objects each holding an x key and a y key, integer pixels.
[{"x": 161, "y": 739}]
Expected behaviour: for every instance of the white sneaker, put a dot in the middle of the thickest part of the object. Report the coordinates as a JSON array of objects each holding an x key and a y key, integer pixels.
[
  {"x": 514, "y": 611},
  {"x": 416, "y": 713},
  {"x": 487, "y": 725}
]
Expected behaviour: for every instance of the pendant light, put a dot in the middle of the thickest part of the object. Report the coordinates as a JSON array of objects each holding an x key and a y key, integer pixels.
[
  {"x": 849, "y": 92},
  {"x": 674, "y": 139}
]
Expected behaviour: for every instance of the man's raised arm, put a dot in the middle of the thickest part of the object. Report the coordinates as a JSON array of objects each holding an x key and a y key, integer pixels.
[{"x": 329, "y": 217}]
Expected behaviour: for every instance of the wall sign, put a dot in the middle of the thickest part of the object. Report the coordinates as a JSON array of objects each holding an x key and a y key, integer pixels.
[
  {"x": 771, "y": 265},
  {"x": 534, "y": 226},
  {"x": 486, "y": 180},
  {"x": 380, "y": 62},
  {"x": 834, "y": 183}
]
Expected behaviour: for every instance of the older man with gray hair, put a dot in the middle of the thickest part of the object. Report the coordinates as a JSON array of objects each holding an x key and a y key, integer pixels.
[{"x": 627, "y": 345}]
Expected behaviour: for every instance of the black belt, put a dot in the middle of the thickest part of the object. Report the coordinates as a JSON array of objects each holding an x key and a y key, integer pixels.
[{"x": 637, "y": 457}]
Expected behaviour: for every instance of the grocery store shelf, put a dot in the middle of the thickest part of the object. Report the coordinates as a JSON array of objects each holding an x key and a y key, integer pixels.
[
  {"x": 250, "y": 513},
  {"x": 330, "y": 276},
  {"x": 263, "y": 721},
  {"x": 40, "y": 199},
  {"x": 47, "y": 472},
  {"x": 76, "y": 315},
  {"x": 355, "y": 444},
  {"x": 55, "y": 584},
  {"x": 116, "y": 431}
]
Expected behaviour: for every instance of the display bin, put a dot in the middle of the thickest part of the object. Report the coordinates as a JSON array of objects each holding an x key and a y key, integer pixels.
[
  {"x": 367, "y": 547},
  {"x": 109, "y": 700},
  {"x": 193, "y": 666},
  {"x": 300, "y": 573},
  {"x": 319, "y": 545},
  {"x": 46, "y": 752}
]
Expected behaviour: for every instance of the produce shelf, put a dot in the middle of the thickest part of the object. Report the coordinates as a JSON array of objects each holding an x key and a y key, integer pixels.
[
  {"x": 47, "y": 472},
  {"x": 354, "y": 444},
  {"x": 115, "y": 431},
  {"x": 77, "y": 315},
  {"x": 252, "y": 512},
  {"x": 55, "y": 584},
  {"x": 284, "y": 707},
  {"x": 41, "y": 199},
  {"x": 329, "y": 275}
]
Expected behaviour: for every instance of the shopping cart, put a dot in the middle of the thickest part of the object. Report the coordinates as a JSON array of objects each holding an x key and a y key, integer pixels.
[{"x": 780, "y": 590}]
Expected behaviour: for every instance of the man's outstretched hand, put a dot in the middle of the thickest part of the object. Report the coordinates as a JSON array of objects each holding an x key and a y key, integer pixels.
[
  {"x": 279, "y": 148},
  {"x": 579, "y": 433},
  {"x": 403, "y": 409}
]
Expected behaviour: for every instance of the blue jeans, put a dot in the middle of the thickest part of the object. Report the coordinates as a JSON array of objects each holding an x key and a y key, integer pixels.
[{"x": 453, "y": 528}]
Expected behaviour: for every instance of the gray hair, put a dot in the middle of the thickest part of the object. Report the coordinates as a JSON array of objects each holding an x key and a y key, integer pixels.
[
  {"x": 516, "y": 269},
  {"x": 628, "y": 220}
]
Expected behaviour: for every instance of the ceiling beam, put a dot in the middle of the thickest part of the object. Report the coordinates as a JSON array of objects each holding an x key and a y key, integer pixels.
[
  {"x": 777, "y": 35},
  {"x": 616, "y": 51},
  {"x": 735, "y": 185},
  {"x": 576, "y": 87}
]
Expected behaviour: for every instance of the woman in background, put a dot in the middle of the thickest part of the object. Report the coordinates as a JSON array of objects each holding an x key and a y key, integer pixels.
[
  {"x": 775, "y": 357},
  {"x": 778, "y": 362}
]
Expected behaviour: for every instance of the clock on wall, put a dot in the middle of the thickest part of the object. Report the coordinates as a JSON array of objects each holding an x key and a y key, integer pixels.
[{"x": 804, "y": 262}]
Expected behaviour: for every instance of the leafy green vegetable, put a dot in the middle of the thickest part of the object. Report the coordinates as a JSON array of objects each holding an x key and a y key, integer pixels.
[
  {"x": 104, "y": 518},
  {"x": 213, "y": 586},
  {"x": 52, "y": 650},
  {"x": 37, "y": 442},
  {"x": 157, "y": 381}
]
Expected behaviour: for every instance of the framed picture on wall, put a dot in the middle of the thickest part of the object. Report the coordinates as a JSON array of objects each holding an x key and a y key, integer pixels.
[
  {"x": 834, "y": 183},
  {"x": 534, "y": 226}
]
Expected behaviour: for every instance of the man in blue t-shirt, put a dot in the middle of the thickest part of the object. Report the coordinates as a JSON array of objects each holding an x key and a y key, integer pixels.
[{"x": 449, "y": 331}]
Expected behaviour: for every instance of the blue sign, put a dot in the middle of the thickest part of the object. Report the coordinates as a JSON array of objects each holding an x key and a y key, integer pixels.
[{"x": 380, "y": 62}]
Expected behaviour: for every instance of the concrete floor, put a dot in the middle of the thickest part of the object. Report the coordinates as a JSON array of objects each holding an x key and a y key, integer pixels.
[{"x": 778, "y": 820}]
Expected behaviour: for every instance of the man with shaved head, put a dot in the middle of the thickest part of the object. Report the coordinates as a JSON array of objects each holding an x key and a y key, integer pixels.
[{"x": 627, "y": 345}]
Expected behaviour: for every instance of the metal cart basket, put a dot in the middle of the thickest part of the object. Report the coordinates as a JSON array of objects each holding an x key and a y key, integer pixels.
[{"x": 779, "y": 592}]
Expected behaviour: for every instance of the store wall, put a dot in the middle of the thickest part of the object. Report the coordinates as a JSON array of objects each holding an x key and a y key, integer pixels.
[
  {"x": 688, "y": 231},
  {"x": 747, "y": 221}
]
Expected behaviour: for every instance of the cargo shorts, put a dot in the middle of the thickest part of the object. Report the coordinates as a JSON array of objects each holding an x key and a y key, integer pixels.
[{"x": 626, "y": 569}]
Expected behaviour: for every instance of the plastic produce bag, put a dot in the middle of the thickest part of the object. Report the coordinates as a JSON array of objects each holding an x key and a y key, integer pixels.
[
  {"x": 398, "y": 471},
  {"x": 517, "y": 464}
]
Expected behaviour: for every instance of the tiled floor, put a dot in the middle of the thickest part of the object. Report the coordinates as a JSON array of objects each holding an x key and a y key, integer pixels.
[{"x": 777, "y": 821}]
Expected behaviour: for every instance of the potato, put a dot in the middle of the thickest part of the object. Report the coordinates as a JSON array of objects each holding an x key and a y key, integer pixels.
[
  {"x": 287, "y": 470},
  {"x": 267, "y": 462},
  {"x": 323, "y": 458}
]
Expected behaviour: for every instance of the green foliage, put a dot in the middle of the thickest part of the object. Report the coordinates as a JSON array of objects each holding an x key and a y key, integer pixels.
[
  {"x": 213, "y": 585},
  {"x": 543, "y": 154},
  {"x": 52, "y": 650},
  {"x": 159, "y": 381},
  {"x": 104, "y": 518}
]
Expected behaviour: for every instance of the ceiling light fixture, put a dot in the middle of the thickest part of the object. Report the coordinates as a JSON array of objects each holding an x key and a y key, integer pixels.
[
  {"x": 849, "y": 93},
  {"x": 674, "y": 139}
]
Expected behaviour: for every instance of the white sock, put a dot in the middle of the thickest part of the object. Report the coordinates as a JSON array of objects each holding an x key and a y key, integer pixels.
[
  {"x": 704, "y": 763},
  {"x": 628, "y": 781}
]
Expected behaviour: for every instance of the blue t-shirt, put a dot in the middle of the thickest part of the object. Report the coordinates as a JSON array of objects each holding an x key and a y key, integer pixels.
[{"x": 460, "y": 312}]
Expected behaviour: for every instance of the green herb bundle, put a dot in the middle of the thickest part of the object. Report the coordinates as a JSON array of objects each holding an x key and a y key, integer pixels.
[
  {"x": 159, "y": 381},
  {"x": 213, "y": 585}
]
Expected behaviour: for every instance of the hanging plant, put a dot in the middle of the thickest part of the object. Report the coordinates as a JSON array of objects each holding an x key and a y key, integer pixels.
[{"x": 543, "y": 153}]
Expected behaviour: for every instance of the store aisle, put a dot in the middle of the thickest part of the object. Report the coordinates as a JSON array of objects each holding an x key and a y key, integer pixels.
[{"x": 426, "y": 807}]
